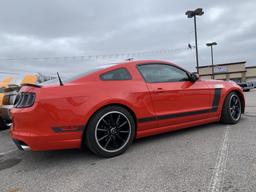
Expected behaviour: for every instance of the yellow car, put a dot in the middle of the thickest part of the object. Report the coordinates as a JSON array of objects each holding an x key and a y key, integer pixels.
[
  {"x": 3, "y": 85},
  {"x": 8, "y": 93}
]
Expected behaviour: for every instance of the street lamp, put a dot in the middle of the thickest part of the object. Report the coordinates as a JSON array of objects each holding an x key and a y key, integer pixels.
[
  {"x": 211, "y": 45},
  {"x": 190, "y": 14}
]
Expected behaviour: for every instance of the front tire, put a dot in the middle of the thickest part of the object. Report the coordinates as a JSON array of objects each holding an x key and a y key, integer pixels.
[
  {"x": 110, "y": 131},
  {"x": 232, "y": 109}
]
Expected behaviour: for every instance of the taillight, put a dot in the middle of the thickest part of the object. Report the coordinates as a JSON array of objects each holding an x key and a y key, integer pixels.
[
  {"x": 6, "y": 100},
  {"x": 9, "y": 99},
  {"x": 24, "y": 100}
]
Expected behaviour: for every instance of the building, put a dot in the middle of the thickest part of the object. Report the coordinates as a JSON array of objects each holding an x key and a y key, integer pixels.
[{"x": 229, "y": 71}]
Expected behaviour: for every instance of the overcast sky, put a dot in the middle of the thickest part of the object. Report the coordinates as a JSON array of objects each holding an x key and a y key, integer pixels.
[{"x": 61, "y": 28}]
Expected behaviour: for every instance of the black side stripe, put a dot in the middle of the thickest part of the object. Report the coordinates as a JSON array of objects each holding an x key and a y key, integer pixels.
[
  {"x": 214, "y": 108},
  {"x": 146, "y": 119},
  {"x": 78, "y": 128},
  {"x": 216, "y": 99}
]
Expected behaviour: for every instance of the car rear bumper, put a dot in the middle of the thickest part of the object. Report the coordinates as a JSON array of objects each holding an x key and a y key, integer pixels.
[
  {"x": 33, "y": 128},
  {"x": 29, "y": 141}
]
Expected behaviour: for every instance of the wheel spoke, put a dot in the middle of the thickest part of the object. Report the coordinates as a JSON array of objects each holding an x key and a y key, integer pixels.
[
  {"x": 115, "y": 141},
  {"x": 118, "y": 118},
  {"x": 103, "y": 130},
  {"x": 122, "y": 124},
  {"x": 107, "y": 123},
  {"x": 106, "y": 145},
  {"x": 123, "y": 131},
  {"x": 120, "y": 138},
  {"x": 111, "y": 120},
  {"x": 102, "y": 138}
]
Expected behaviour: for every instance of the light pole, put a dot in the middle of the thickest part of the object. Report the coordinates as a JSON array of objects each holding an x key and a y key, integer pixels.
[
  {"x": 211, "y": 45},
  {"x": 190, "y": 14}
]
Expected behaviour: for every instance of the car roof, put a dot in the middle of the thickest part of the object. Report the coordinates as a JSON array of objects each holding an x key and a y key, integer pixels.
[{"x": 136, "y": 62}]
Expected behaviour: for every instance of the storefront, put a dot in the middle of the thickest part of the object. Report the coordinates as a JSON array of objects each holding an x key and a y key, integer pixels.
[{"x": 229, "y": 71}]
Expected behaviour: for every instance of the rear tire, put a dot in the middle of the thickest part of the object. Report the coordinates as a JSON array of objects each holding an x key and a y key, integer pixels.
[
  {"x": 110, "y": 131},
  {"x": 232, "y": 109},
  {"x": 3, "y": 125}
]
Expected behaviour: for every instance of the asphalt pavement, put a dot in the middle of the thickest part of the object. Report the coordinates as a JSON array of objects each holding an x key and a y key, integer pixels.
[{"x": 214, "y": 157}]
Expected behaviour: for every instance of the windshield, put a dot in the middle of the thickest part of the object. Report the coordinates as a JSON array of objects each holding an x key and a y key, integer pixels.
[{"x": 75, "y": 76}]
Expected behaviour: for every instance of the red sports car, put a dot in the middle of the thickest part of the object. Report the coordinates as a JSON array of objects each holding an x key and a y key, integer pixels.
[{"x": 106, "y": 108}]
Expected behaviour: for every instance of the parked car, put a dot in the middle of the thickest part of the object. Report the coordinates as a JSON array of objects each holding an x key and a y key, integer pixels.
[
  {"x": 254, "y": 84},
  {"x": 246, "y": 86},
  {"x": 3, "y": 85},
  {"x": 106, "y": 108},
  {"x": 8, "y": 98}
]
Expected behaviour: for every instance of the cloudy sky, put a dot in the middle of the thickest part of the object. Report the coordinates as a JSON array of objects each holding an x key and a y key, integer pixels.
[{"x": 46, "y": 29}]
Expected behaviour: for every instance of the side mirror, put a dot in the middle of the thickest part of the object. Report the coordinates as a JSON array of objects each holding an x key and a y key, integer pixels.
[{"x": 194, "y": 77}]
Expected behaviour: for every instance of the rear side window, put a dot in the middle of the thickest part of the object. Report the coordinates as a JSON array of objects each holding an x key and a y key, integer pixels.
[{"x": 117, "y": 74}]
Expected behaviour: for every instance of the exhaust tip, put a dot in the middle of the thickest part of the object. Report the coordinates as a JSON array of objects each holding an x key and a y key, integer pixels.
[
  {"x": 25, "y": 147},
  {"x": 21, "y": 145}
]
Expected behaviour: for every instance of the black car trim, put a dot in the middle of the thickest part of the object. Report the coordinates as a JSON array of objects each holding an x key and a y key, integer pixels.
[
  {"x": 214, "y": 108},
  {"x": 78, "y": 128},
  {"x": 31, "y": 85}
]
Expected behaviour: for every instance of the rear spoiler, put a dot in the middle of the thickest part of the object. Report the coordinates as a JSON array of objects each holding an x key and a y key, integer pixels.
[{"x": 31, "y": 85}]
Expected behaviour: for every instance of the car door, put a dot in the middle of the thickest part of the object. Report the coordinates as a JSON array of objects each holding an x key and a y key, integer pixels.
[{"x": 175, "y": 98}]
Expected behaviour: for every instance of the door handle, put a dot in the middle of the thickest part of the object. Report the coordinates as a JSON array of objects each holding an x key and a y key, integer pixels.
[{"x": 159, "y": 90}]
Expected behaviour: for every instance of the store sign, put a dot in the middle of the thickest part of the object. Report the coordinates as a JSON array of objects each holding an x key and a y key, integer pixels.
[{"x": 220, "y": 69}]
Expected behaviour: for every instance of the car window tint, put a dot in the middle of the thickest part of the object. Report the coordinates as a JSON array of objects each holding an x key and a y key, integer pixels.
[
  {"x": 156, "y": 73},
  {"x": 117, "y": 74}
]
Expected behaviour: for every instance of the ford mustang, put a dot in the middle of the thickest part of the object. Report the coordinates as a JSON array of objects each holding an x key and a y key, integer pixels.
[{"x": 106, "y": 108}]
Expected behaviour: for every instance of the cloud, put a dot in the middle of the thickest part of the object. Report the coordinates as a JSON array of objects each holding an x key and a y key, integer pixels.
[
  {"x": 216, "y": 13},
  {"x": 59, "y": 28}
]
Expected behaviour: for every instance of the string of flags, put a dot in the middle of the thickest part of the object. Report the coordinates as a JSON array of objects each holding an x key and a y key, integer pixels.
[{"x": 105, "y": 56}]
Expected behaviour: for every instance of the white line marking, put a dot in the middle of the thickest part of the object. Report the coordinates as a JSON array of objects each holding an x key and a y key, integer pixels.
[
  {"x": 7, "y": 152},
  {"x": 220, "y": 166}
]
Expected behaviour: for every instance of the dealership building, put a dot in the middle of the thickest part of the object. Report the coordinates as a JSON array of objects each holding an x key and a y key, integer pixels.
[{"x": 237, "y": 72}]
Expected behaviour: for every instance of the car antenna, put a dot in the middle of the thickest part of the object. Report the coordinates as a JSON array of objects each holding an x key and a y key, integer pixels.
[
  {"x": 61, "y": 84},
  {"x": 129, "y": 59}
]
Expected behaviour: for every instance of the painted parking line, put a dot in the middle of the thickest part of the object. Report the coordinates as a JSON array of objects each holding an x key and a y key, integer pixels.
[
  {"x": 7, "y": 152},
  {"x": 220, "y": 166}
]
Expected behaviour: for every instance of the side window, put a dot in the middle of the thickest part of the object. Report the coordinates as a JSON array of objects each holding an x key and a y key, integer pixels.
[
  {"x": 117, "y": 74},
  {"x": 157, "y": 73}
]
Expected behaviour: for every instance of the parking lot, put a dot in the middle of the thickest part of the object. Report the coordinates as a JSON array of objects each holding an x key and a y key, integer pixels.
[{"x": 213, "y": 157}]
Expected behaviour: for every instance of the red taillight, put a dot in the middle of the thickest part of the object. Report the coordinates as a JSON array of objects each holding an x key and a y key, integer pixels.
[{"x": 25, "y": 99}]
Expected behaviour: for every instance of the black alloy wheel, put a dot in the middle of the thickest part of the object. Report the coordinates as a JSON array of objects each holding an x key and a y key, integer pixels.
[
  {"x": 232, "y": 109},
  {"x": 110, "y": 131},
  {"x": 113, "y": 131},
  {"x": 235, "y": 107}
]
